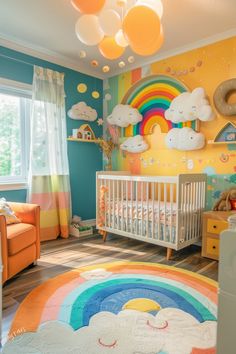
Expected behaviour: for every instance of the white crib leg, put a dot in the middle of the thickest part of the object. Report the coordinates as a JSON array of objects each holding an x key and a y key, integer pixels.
[{"x": 169, "y": 253}]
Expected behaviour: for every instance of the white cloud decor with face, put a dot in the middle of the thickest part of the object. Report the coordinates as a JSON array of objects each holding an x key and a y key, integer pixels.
[
  {"x": 135, "y": 144},
  {"x": 124, "y": 115},
  {"x": 185, "y": 139},
  {"x": 171, "y": 331},
  {"x": 190, "y": 106},
  {"x": 81, "y": 111}
]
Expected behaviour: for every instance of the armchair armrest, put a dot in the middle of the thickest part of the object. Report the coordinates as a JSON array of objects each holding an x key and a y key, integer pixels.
[
  {"x": 3, "y": 235},
  {"x": 27, "y": 213}
]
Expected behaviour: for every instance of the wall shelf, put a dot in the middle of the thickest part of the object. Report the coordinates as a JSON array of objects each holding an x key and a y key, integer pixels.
[
  {"x": 95, "y": 141},
  {"x": 212, "y": 142},
  {"x": 228, "y": 131}
]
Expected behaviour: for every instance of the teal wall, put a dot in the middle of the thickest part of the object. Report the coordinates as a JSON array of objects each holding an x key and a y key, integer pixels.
[{"x": 84, "y": 159}]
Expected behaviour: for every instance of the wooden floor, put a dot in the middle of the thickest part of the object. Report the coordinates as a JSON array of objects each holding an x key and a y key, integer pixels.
[{"x": 61, "y": 255}]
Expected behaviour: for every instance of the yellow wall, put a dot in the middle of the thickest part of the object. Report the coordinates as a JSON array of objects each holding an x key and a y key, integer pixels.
[{"x": 205, "y": 67}]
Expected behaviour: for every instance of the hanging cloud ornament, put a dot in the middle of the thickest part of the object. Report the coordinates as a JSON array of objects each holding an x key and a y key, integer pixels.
[
  {"x": 81, "y": 111},
  {"x": 123, "y": 115},
  {"x": 184, "y": 139},
  {"x": 135, "y": 144},
  {"x": 189, "y": 106}
]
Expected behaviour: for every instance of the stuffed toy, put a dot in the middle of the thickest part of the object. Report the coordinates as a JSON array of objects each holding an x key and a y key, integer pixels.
[{"x": 223, "y": 203}]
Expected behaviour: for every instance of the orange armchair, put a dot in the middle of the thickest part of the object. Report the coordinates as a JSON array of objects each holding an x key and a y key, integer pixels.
[{"x": 20, "y": 242}]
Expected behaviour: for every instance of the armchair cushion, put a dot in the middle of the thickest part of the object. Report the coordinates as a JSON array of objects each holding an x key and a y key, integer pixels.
[{"x": 20, "y": 236}]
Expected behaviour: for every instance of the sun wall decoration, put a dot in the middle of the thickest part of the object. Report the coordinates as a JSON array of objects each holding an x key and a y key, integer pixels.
[{"x": 136, "y": 25}]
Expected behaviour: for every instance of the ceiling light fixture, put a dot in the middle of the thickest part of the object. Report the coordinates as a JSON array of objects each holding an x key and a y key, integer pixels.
[{"x": 139, "y": 26}]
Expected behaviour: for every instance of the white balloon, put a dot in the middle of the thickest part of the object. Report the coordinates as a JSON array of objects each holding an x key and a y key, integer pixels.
[
  {"x": 155, "y": 5},
  {"x": 88, "y": 30},
  {"x": 120, "y": 39},
  {"x": 110, "y": 22}
]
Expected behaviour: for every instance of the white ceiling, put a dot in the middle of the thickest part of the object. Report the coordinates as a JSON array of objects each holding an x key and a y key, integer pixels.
[{"x": 46, "y": 28}]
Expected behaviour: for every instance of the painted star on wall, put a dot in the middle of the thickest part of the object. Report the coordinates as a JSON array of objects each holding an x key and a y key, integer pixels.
[{"x": 100, "y": 121}]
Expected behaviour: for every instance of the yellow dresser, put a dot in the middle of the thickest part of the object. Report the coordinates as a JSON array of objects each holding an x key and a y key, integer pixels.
[{"x": 213, "y": 223}]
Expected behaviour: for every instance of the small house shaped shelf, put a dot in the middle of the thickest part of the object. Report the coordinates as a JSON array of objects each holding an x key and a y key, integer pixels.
[
  {"x": 227, "y": 135},
  {"x": 84, "y": 134}
]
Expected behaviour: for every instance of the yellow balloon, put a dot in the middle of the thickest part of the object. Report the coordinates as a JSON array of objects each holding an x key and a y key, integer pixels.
[
  {"x": 82, "y": 88},
  {"x": 151, "y": 49},
  {"x": 110, "y": 49},
  {"x": 142, "y": 304},
  {"x": 141, "y": 26}
]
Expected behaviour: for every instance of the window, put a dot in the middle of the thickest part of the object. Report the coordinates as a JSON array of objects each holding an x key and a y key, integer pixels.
[{"x": 14, "y": 134}]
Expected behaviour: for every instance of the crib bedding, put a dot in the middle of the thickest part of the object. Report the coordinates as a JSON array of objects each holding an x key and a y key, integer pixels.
[
  {"x": 152, "y": 220},
  {"x": 139, "y": 227},
  {"x": 162, "y": 212}
]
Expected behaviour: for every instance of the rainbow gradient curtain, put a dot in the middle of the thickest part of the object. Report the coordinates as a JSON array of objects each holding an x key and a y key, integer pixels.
[{"x": 49, "y": 184}]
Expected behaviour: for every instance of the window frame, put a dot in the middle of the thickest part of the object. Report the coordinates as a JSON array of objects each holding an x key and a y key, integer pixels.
[{"x": 22, "y": 90}]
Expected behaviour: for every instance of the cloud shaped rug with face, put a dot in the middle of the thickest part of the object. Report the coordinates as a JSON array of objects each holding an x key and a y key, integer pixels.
[
  {"x": 126, "y": 308},
  {"x": 81, "y": 111},
  {"x": 123, "y": 115},
  {"x": 189, "y": 106}
]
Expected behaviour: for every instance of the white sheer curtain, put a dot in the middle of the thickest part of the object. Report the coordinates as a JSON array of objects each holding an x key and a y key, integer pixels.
[{"x": 49, "y": 172}]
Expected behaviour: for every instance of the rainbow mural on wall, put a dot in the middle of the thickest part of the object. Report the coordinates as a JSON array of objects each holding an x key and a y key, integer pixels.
[{"x": 152, "y": 96}]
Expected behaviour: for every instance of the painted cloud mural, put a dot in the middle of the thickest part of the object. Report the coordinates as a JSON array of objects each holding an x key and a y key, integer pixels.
[
  {"x": 185, "y": 139},
  {"x": 135, "y": 144},
  {"x": 81, "y": 111},
  {"x": 171, "y": 331},
  {"x": 190, "y": 106},
  {"x": 124, "y": 115}
]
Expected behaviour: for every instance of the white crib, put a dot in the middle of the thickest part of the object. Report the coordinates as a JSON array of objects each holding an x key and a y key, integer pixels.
[{"x": 162, "y": 210}]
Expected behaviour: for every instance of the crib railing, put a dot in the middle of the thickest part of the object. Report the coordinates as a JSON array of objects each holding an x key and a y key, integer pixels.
[{"x": 164, "y": 210}]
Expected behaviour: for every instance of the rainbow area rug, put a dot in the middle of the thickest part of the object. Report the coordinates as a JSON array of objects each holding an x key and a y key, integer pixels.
[{"x": 118, "y": 308}]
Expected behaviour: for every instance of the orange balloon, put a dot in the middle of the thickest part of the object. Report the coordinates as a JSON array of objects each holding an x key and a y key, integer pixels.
[
  {"x": 141, "y": 26},
  {"x": 149, "y": 50},
  {"x": 110, "y": 49},
  {"x": 88, "y": 6}
]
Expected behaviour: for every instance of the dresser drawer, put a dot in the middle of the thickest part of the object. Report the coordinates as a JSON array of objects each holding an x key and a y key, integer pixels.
[
  {"x": 216, "y": 226},
  {"x": 213, "y": 247}
]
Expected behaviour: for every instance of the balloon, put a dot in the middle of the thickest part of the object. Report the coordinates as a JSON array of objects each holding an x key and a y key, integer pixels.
[
  {"x": 110, "y": 49},
  {"x": 155, "y": 5},
  {"x": 141, "y": 26},
  {"x": 110, "y": 22},
  {"x": 151, "y": 49},
  {"x": 106, "y": 69},
  {"x": 88, "y": 6},
  {"x": 88, "y": 30},
  {"x": 131, "y": 59},
  {"x": 120, "y": 39}
]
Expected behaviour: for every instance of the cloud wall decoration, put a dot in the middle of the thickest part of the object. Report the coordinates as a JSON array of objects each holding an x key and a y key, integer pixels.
[
  {"x": 123, "y": 115},
  {"x": 190, "y": 106},
  {"x": 185, "y": 139},
  {"x": 81, "y": 111},
  {"x": 134, "y": 144}
]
